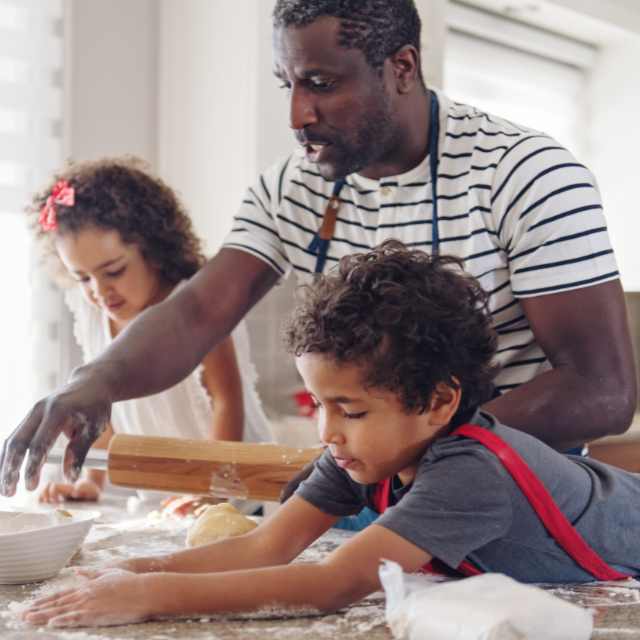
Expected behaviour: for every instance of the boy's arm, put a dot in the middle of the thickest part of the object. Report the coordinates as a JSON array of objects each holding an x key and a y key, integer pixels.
[
  {"x": 278, "y": 540},
  {"x": 346, "y": 575}
]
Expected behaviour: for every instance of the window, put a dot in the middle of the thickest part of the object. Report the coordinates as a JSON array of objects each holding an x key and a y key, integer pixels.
[
  {"x": 520, "y": 73},
  {"x": 31, "y": 55}
]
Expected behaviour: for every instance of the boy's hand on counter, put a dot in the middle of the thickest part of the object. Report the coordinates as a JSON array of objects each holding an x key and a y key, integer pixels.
[
  {"x": 99, "y": 599},
  {"x": 56, "y": 492}
]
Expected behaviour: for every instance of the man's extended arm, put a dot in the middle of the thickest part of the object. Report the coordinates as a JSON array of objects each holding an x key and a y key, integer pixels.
[
  {"x": 160, "y": 348},
  {"x": 591, "y": 390}
]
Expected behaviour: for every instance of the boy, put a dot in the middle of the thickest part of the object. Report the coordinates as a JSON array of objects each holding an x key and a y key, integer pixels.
[{"x": 396, "y": 349}]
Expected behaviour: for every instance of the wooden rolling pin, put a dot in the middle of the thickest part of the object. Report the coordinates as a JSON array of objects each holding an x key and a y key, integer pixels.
[{"x": 202, "y": 467}]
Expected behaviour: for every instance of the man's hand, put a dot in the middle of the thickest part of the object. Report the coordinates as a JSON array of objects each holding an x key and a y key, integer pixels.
[
  {"x": 81, "y": 411},
  {"x": 155, "y": 352}
]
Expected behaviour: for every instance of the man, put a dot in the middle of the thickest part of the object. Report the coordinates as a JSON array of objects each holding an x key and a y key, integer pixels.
[{"x": 517, "y": 207}]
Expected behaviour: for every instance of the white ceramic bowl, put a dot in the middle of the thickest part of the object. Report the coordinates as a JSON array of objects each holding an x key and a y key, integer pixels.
[{"x": 39, "y": 554}]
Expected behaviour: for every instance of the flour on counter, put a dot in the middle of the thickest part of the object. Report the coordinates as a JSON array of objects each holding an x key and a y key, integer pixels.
[{"x": 80, "y": 635}]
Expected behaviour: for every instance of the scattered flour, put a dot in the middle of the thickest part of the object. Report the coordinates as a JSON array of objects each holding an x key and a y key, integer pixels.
[
  {"x": 81, "y": 635},
  {"x": 377, "y": 621},
  {"x": 356, "y": 611},
  {"x": 593, "y": 595}
]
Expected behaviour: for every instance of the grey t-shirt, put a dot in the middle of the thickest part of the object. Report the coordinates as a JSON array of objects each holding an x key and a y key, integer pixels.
[{"x": 463, "y": 503}]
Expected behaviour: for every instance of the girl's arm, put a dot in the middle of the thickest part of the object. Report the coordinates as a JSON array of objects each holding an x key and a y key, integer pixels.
[
  {"x": 244, "y": 582},
  {"x": 88, "y": 487},
  {"x": 221, "y": 377}
]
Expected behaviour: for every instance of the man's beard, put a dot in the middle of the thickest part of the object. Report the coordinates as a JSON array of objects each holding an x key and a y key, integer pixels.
[{"x": 374, "y": 135}]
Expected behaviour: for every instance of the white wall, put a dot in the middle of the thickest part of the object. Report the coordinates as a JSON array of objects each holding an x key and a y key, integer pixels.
[
  {"x": 432, "y": 42},
  {"x": 208, "y": 107},
  {"x": 614, "y": 149},
  {"x": 112, "y": 78},
  {"x": 622, "y": 13},
  {"x": 223, "y": 119},
  {"x": 110, "y": 96}
]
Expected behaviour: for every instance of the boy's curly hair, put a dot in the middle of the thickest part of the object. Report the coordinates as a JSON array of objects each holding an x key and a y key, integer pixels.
[
  {"x": 408, "y": 319},
  {"x": 122, "y": 194}
]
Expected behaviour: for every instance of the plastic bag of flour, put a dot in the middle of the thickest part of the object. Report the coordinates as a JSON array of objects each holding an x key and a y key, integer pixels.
[{"x": 487, "y": 607}]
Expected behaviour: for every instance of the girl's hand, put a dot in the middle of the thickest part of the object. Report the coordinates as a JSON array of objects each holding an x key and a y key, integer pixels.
[
  {"x": 96, "y": 599},
  {"x": 183, "y": 506},
  {"x": 57, "y": 492}
]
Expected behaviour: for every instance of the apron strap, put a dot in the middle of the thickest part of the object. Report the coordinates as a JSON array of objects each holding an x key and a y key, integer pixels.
[
  {"x": 381, "y": 495},
  {"x": 320, "y": 242},
  {"x": 434, "y": 134},
  {"x": 542, "y": 502},
  {"x": 381, "y": 502}
]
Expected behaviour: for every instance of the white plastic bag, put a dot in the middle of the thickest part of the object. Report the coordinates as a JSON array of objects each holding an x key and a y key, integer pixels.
[{"x": 487, "y": 607}]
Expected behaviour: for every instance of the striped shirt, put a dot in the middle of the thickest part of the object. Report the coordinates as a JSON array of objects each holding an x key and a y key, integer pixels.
[{"x": 516, "y": 206}]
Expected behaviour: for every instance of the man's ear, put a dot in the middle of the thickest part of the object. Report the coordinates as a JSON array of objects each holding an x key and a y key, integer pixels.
[
  {"x": 405, "y": 63},
  {"x": 445, "y": 402}
]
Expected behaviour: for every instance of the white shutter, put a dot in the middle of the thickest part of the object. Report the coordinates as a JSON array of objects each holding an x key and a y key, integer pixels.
[
  {"x": 519, "y": 72},
  {"x": 31, "y": 56}
]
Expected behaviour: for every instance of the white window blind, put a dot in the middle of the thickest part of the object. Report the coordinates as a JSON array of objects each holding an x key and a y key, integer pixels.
[
  {"x": 518, "y": 72},
  {"x": 31, "y": 58}
]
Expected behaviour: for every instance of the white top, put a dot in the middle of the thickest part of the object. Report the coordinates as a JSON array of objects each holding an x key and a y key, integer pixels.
[
  {"x": 515, "y": 205},
  {"x": 184, "y": 410}
]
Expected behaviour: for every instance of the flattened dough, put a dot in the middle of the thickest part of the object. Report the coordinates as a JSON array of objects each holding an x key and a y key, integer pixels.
[{"x": 218, "y": 521}]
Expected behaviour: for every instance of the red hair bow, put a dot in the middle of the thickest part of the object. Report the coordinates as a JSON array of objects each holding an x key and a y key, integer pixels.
[{"x": 62, "y": 194}]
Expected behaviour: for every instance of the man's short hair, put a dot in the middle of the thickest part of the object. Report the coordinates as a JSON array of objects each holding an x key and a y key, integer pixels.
[
  {"x": 377, "y": 27},
  {"x": 407, "y": 319}
]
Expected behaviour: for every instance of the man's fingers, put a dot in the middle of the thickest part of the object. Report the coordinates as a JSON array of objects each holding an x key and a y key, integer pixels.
[
  {"x": 11, "y": 463},
  {"x": 72, "y": 464},
  {"x": 86, "y": 430},
  {"x": 42, "y": 440},
  {"x": 14, "y": 450},
  {"x": 40, "y": 446}
]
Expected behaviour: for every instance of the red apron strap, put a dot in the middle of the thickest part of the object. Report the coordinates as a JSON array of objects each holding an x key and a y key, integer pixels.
[
  {"x": 381, "y": 495},
  {"x": 548, "y": 511},
  {"x": 381, "y": 501},
  {"x": 468, "y": 569}
]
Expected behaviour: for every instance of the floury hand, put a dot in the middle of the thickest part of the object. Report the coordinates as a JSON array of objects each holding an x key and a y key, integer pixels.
[{"x": 80, "y": 410}]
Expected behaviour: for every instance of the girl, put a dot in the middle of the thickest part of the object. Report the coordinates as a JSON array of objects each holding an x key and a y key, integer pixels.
[
  {"x": 119, "y": 240},
  {"x": 396, "y": 348}
]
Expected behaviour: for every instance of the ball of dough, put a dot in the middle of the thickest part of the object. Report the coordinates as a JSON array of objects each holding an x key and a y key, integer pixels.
[{"x": 218, "y": 521}]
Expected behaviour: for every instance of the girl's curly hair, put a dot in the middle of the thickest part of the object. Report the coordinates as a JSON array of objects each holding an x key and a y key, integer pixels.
[
  {"x": 122, "y": 194},
  {"x": 408, "y": 319}
]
